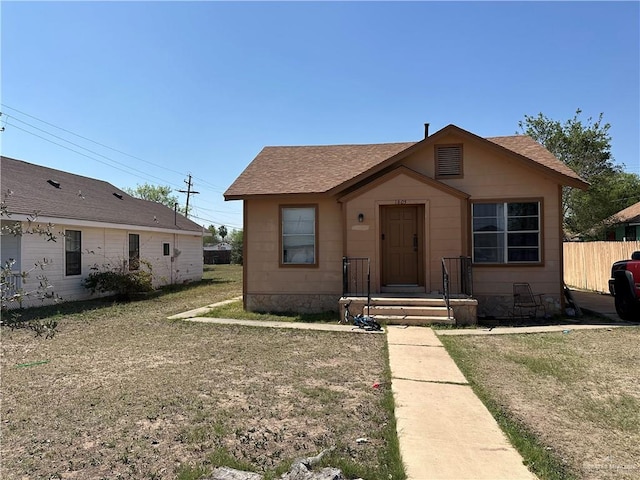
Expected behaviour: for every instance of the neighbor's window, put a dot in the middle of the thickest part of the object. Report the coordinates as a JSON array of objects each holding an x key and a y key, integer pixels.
[
  {"x": 506, "y": 232},
  {"x": 166, "y": 249},
  {"x": 134, "y": 251},
  {"x": 72, "y": 252},
  {"x": 298, "y": 229},
  {"x": 448, "y": 161}
]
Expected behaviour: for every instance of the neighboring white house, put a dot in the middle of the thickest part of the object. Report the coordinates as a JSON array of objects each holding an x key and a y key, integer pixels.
[{"x": 96, "y": 224}]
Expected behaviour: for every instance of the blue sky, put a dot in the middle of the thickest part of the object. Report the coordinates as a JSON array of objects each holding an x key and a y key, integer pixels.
[{"x": 172, "y": 88}]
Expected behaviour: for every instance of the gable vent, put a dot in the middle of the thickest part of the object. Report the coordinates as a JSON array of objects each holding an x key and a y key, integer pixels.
[
  {"x": 53, "y": 183},
  {"x": 448, "y": 160}
]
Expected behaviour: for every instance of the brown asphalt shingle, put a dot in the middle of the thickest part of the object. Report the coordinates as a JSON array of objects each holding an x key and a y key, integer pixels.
[
  {"x": 319, "y": 169},
  {"x": 80, "y": 198},
  {"x": 528, "y": 147},
  {"x": 309, "y": 169}
]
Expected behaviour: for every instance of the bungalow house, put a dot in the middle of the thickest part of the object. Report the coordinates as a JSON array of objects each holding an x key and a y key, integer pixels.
[
  {"x": 95, "y": 224},
  {"x": 487, "y": 211},
  {"x": 625, "y": 225}
]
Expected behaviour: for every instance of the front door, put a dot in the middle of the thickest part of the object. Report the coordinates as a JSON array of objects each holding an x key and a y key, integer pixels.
[{"x": 402, "y": 245}]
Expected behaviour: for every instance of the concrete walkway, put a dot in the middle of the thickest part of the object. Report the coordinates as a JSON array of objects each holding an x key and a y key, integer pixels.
[{"x": 445, "y": 431}]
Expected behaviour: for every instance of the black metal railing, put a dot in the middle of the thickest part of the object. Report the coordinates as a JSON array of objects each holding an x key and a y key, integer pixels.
[
  {"x": 356, "y": 277},
  {"x": 445, "y": 288},
  {"x": 459, "y": 275}
]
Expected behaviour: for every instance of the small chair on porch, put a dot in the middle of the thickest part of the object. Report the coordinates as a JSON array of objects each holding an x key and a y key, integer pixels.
[{"x": 525, "y": 303}]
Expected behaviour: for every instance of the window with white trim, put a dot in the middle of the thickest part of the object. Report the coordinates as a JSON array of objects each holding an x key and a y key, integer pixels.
[
  {"x": 298, "y": 235},
  {"x": 72, "y": 252},
  {"x": 506, "y": 232}
]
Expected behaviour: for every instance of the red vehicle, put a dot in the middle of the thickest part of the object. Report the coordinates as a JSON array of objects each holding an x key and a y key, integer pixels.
[{"x": 624, "y": 285}]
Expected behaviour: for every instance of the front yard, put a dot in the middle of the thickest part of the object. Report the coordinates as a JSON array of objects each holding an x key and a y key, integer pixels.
[
  {"x": 121, "y": 392},
  {"x": 577, "y": 393}
]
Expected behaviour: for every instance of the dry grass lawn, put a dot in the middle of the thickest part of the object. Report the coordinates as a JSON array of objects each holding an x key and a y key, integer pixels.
[
  {"x": 579, "y": 393},
  {"x": 121, "y": 392}
]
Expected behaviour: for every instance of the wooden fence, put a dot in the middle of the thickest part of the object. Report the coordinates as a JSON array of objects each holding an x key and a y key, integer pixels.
[{"x": 587, "y": 265}]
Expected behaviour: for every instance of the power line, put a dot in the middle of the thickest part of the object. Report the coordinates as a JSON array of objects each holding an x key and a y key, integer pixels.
[
  {"x": 87, "y": 139},
  {"x": 215, "y": 188},
  {"x": 74, "y": 151},
  {"x": 215, "y": 222},
  {"x": 14, "y": 118},
  {"x": 209, "y": 220},
  {"x": 77, "y": 145},
  {"x": 93, "y": 153}
]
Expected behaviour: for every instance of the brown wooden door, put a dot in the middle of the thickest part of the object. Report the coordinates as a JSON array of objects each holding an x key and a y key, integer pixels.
[{"x": 402, "y": 245}]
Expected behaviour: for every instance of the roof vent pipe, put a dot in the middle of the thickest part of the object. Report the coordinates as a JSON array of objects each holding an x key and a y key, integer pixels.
[
  {"x": 54, "y": 183},
  {"x": 426, "y": 130}
]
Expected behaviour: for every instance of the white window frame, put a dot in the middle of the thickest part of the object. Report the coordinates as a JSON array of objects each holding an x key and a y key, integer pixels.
[{"x": 507, "y": 235}]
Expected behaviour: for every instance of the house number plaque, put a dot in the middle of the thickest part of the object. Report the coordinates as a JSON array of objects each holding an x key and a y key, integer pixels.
[{"x": 401, "y": 202}]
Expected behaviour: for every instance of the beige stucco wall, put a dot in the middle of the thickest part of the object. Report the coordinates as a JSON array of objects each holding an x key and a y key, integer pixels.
[{"x": 271, "y": 287}]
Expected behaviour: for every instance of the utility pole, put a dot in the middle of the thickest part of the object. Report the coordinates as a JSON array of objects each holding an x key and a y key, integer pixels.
[{"x": 189, "y": 192}]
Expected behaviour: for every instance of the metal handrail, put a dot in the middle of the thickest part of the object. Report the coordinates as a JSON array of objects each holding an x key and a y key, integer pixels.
[
  {"x": 460, "y": 274},
  {"x": 445, "y": 288},
  {"x": 355, "y": 272}
]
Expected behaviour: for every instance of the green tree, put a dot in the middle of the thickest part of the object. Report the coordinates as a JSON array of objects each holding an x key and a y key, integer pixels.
[
  {"x": 156, "y": 193},
  {"x": 222, "y": 231},
  {"x": 586, "y": 148},
  {"x": 237, "y": 241},
  {"x": 211, "y": 235}
]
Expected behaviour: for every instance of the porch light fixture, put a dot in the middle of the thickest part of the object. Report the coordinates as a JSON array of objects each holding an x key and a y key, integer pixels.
[{"x": 361, "y": 217}]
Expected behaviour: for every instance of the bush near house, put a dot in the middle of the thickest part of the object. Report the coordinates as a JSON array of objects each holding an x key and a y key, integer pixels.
[{"x": 119, "y": 281}]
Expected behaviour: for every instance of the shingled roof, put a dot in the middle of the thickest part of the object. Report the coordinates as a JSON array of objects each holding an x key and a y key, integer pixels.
[
  {"x": 29, "y": 188},
  {"x": 309, "y": 169},
  {"x": 630, "y": 214},
  {"x": 529, "y": 148},
  {"x": 321, "y": 169}
]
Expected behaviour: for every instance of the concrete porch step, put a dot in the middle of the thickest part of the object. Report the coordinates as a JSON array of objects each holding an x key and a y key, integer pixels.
[
  {"x": 415, "y": 320},
  {"x": 407, "y": 310},
  {"x": 408, "y": 301},
  {"x": 413, "y": 309}
]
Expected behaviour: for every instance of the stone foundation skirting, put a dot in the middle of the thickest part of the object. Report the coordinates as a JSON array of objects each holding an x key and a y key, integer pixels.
[
  {"x": 501, "y": 306},
  {"x": 300, "y": 303}
]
